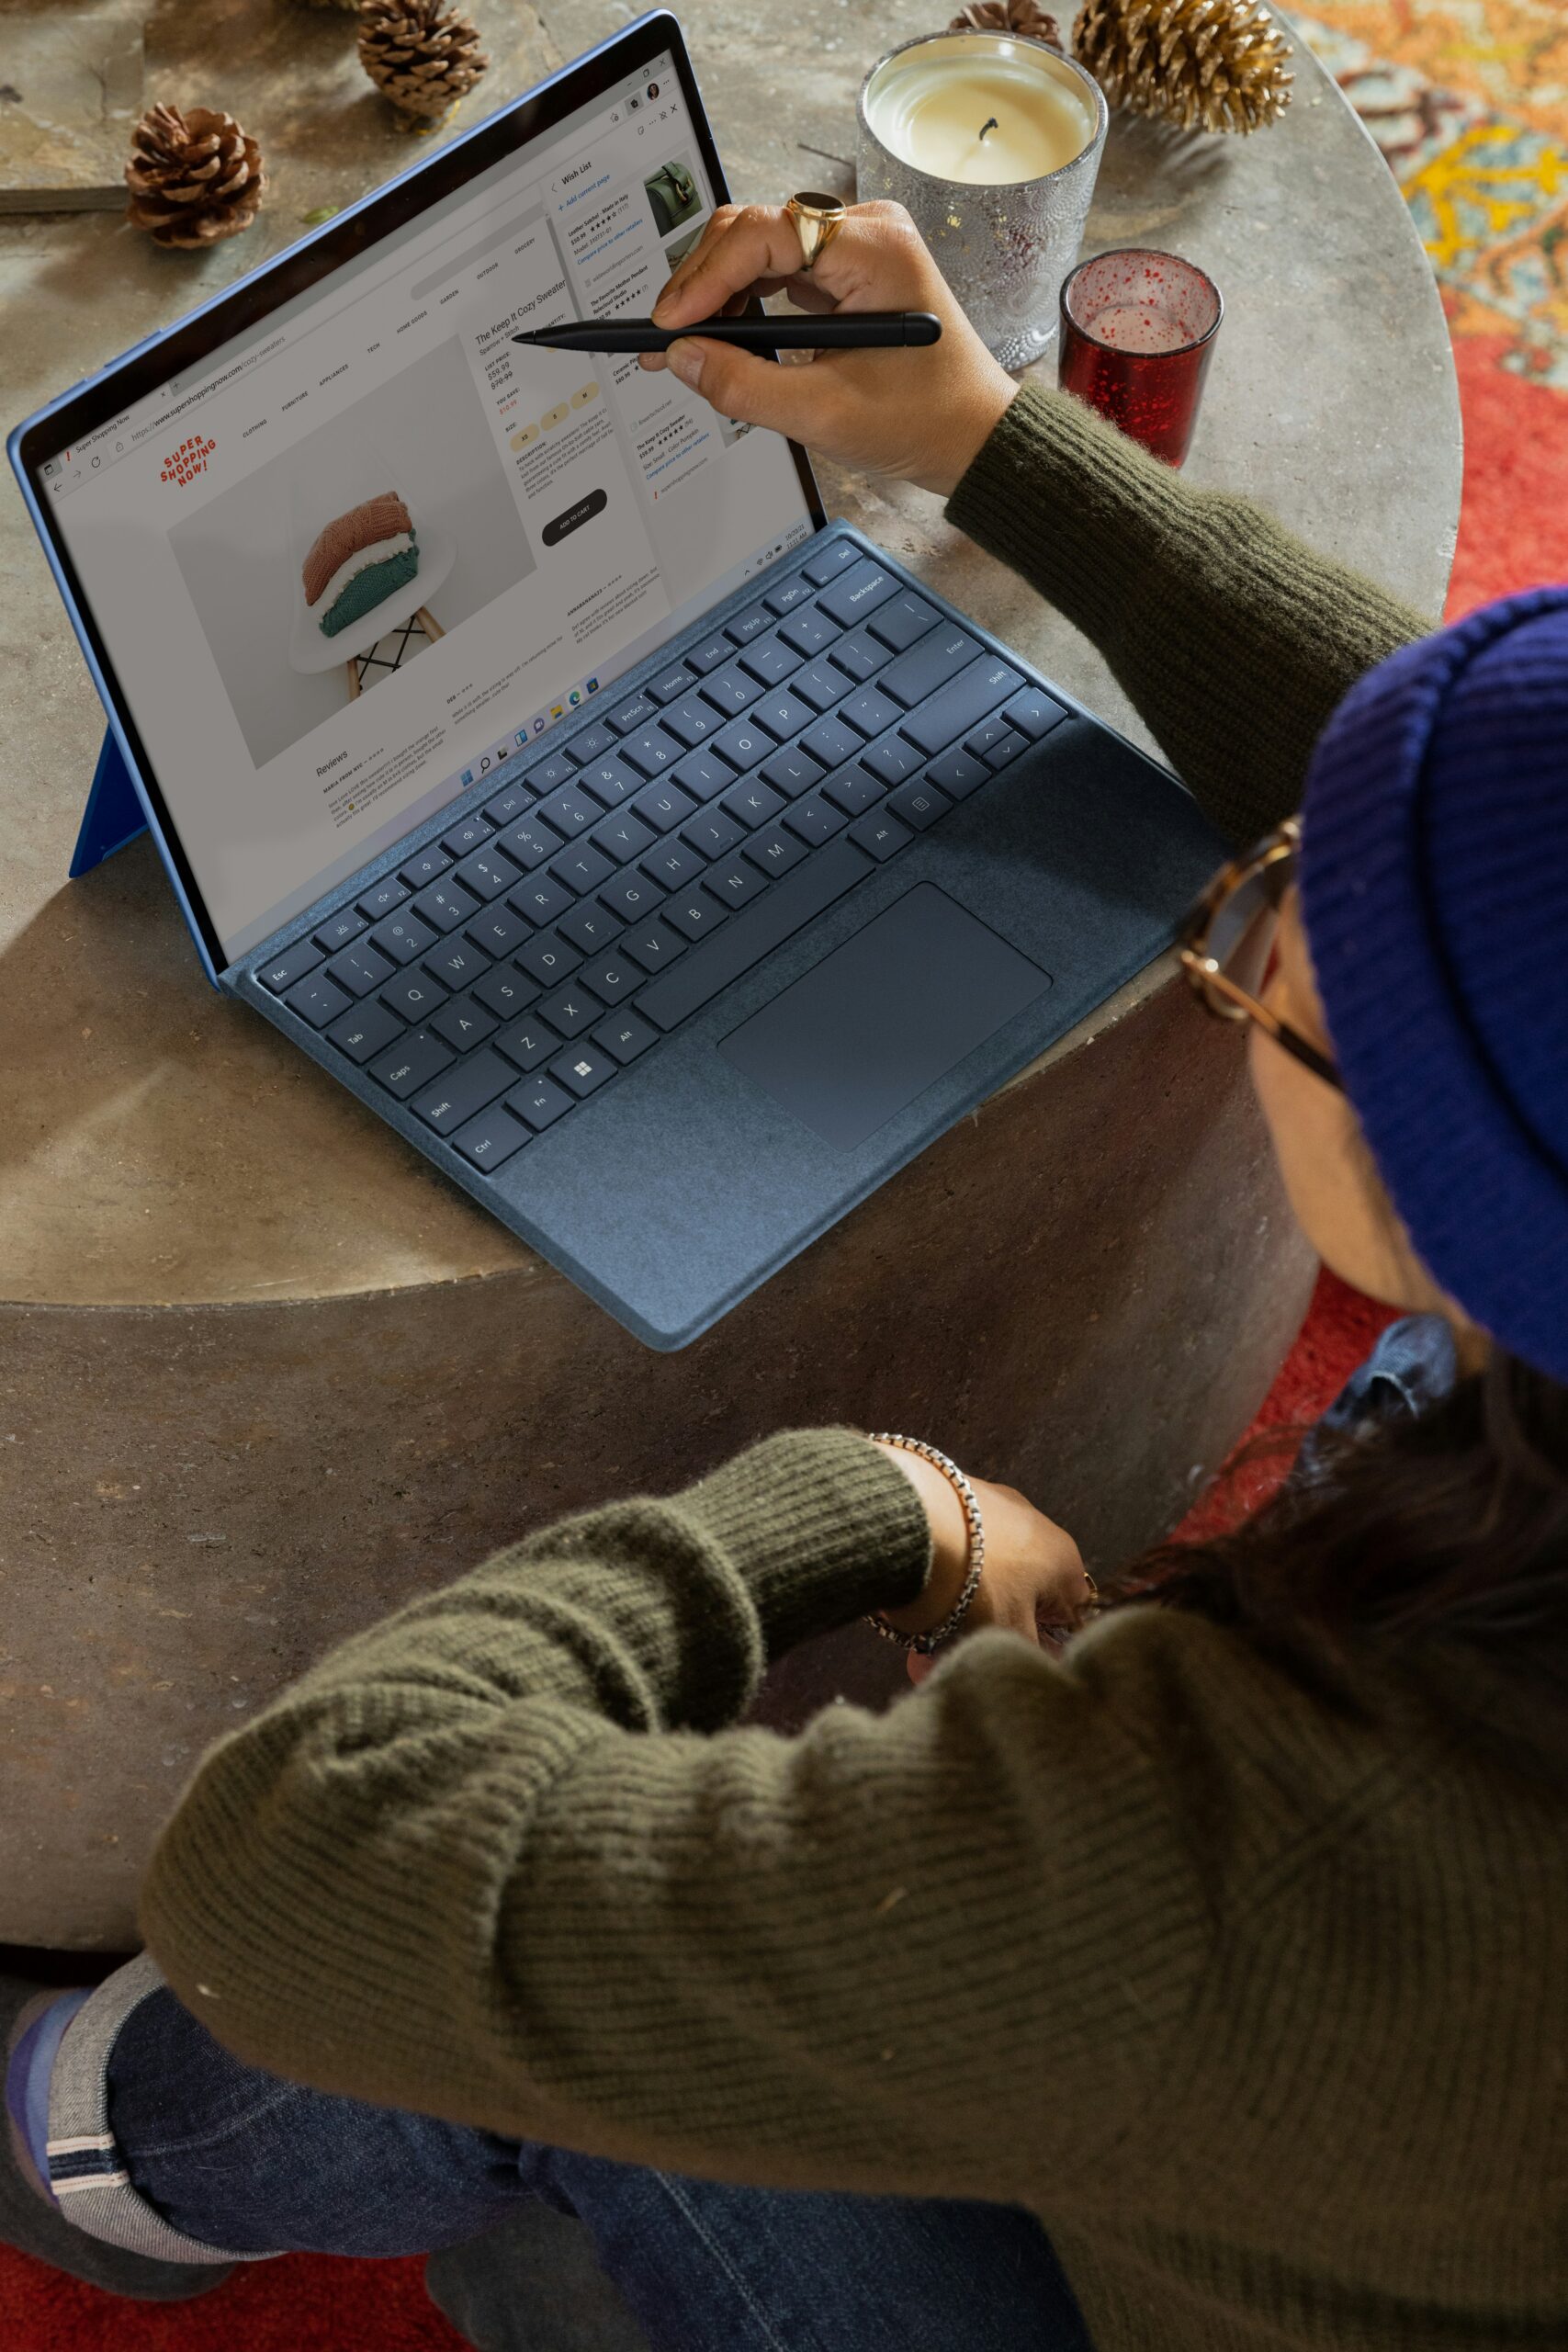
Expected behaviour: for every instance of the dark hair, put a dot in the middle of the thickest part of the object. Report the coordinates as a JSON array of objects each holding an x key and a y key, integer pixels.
[{"x": 1451, "y": 1522}]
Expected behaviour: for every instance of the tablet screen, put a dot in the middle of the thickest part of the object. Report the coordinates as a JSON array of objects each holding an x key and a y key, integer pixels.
[{"x": 367, "y": 549}]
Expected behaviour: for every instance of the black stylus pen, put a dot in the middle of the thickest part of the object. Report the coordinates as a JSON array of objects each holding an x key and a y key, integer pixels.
[{"x": 838, "y": 330}]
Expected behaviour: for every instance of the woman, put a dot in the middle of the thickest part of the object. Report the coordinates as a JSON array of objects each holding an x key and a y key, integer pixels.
[{"x": 1227, "y": 1947}]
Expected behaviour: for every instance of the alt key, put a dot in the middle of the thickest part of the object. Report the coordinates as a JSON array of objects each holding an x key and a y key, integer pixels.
[{"x": 624, "y": 1035}]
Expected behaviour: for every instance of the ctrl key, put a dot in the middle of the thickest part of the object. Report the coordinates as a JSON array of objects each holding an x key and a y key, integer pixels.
[{"x": 491, "y": 1140}]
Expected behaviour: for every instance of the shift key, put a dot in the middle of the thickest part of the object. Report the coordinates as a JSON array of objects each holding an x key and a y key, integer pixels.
[
  {"x": 749, "y": 936},
  {"x": 974, "y": 694},
  {"x": 455, "y": 1097}
]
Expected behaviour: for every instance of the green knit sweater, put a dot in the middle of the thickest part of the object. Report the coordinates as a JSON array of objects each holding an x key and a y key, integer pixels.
[{"x": 1252, "y": 1991}]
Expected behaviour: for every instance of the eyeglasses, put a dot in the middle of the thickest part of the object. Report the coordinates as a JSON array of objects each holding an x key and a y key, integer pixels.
[{"x": 1228, "y": 942}]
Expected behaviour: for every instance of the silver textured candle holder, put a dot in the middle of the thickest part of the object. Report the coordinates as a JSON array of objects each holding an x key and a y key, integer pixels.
[{"x": 1003, "y": 250}]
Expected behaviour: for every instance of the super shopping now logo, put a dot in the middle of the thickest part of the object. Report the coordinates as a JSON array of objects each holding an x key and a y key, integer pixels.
[{"x": 189, "y": 459}]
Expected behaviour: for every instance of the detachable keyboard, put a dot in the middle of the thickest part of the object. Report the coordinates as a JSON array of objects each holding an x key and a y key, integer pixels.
[{"x": 507, "y": 970}]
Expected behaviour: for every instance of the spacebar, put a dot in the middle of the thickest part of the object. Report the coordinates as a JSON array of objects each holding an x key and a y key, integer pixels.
[{"x": 747, "y": 938}]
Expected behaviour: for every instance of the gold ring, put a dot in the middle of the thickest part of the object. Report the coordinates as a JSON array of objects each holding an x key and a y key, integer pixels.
[{"x": 817, "y": 221}]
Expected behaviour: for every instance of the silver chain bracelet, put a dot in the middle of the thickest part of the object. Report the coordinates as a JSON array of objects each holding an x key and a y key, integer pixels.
[{"x": 926, "y": 1643}]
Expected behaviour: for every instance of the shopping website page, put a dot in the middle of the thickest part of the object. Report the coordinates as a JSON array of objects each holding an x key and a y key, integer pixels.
[{"x": 366, "y": 553}]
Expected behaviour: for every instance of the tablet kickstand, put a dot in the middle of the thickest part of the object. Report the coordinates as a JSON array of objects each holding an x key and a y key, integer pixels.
[{"x": 114, "y": 814}]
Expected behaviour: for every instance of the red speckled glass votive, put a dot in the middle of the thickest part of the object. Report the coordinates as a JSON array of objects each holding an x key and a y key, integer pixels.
[{"x": 1137, "y": 332}]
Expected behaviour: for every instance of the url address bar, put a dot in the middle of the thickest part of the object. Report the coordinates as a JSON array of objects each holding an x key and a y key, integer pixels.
[{"x": 213, "y": 384}]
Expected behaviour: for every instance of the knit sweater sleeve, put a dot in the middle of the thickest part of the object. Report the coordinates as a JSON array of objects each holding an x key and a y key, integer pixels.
[
  {"x": 1232, "y": 639},
  {"x": 508, "y": 1858}
]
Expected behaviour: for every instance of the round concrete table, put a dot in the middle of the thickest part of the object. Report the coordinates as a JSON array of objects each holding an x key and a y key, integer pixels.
[{"x": 264, "y": 1372}]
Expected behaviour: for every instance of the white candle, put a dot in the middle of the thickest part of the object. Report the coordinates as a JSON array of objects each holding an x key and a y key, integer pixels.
[
  {"x": 989, "y": 114},
  {"x": 991, "y": 142}
]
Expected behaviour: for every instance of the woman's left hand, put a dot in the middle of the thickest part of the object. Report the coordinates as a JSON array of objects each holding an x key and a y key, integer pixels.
[{"x": 1033, "y": 1582}]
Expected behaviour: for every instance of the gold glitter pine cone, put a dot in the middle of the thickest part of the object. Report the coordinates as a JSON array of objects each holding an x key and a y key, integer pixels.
[
  {"x": 193, "y": 177},
  {"x": 422, "y": 55},
  {"x": 1021, "y": 16},
  {"x": 1202, "y": 64}
]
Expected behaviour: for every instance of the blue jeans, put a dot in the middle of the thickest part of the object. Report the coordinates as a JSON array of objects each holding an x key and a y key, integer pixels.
[
  {"x": 550, "y": 2252},
  {"x": 1413, "y": 1364}
]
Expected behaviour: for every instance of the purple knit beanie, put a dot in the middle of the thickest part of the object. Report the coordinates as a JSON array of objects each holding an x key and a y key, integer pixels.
[{"x": 1435, "y": 893}]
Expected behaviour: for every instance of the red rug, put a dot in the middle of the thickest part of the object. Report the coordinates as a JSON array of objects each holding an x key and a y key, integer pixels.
[
  {"x": 300, "y": 2303},
  {"x": 1513, "y": 529}
]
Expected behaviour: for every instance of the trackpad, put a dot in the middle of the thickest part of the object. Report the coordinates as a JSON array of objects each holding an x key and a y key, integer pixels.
[{"x": 886, "y": 1015}]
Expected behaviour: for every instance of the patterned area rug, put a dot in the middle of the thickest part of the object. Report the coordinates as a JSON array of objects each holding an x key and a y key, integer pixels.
[{"x": 1468, "y": 101}]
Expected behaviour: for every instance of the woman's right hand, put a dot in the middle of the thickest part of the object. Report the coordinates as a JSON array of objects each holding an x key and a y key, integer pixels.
[{"x": 919, "y": 413}]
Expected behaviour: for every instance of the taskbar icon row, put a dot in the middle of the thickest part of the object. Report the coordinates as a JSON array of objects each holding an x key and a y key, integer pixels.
[{"x": 496, "y": 757}]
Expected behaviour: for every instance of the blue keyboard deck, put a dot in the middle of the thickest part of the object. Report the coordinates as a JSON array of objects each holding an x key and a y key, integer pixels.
[{"x": 503, "y": 975}]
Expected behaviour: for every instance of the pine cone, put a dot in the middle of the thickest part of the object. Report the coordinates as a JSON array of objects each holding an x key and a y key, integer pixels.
[
  {"x": 1021, "y": 16},
  {"x": 193, "y": 177},
  {"x": 420, "y": 53},
  {"x": 1203, "y": 64}
]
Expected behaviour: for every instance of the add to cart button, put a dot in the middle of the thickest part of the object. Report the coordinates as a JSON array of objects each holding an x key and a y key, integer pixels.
[{"x": 574, "y": 517}]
